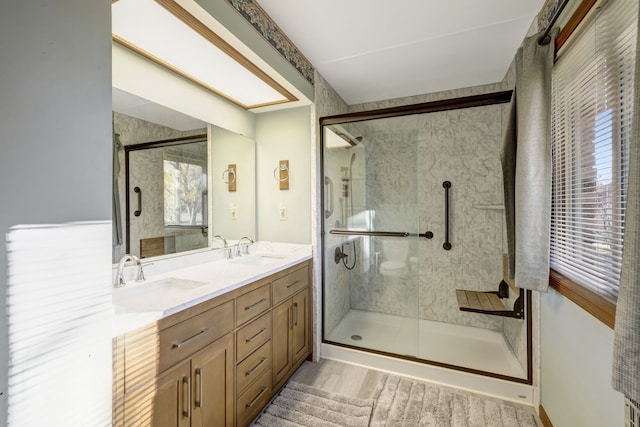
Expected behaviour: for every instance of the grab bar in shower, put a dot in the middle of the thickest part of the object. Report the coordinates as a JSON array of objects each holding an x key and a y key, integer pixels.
[
  {"x": 447, "y": 244},
  {"x": 139, "y": 210},
  {"x": 426, "y": 235},
  {"x": 329, "y": 184}
]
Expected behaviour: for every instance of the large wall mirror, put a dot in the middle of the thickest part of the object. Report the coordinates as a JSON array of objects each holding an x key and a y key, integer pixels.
[{"x": 178, "y": 182}]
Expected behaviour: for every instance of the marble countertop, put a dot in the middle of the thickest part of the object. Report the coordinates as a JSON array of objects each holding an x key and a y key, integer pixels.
[{"x": 175, "y": 284}]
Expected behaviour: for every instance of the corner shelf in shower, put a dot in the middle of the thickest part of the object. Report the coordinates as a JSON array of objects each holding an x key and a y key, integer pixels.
[{"x": 491, "y": 302}]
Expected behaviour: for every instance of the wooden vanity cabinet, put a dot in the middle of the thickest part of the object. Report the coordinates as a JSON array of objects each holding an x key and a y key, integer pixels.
[
  {"x": 195, "y": 393},
  {"x": 182, "y": 375},
  {"x": 291, "y": 324},
  {"x": 218, "y": 363}
]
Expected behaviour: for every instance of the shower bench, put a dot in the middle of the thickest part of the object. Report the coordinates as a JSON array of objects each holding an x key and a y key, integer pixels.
[{"x": 492, "y": 302}]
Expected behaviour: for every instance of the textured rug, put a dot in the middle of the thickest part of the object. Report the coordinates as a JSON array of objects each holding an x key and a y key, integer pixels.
[
  {"x": 399, "y": 402},
  {"x": 402, "y": 402},
  {"x": 301, "y": 405}
]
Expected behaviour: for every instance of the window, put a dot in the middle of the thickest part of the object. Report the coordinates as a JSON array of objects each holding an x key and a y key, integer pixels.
[
  {"x": 592, "y": 103},
  {"x": 185, "y": 192}
]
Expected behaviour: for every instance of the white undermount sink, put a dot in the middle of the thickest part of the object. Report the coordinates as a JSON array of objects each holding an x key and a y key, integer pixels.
[{"x": 153, "y": 295}]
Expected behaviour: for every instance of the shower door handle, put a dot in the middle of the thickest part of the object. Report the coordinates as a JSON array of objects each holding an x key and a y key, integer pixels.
[
  {"x": 139, "y": 191},
  {"x": 447, "y": 244},
  {"x": 329, "y": 184}
]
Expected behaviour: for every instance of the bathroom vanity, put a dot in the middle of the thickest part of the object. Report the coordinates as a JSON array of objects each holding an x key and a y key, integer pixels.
[{"x": 219, "y": 351}]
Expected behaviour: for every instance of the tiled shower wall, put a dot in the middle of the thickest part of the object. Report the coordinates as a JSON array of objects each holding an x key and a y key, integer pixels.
[{"x": 407, "y": 160}]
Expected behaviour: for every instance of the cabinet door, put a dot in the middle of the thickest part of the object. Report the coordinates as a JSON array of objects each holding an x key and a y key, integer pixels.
[
  {"x": 282, "y": 357},
  {"x": 212, "y": 382},
  {"x": 164, "y": 402},
  {"x": 300, "y": 339}
]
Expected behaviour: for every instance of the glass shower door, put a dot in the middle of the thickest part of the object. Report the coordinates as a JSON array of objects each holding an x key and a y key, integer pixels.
[{"x": 371, "y": 235}]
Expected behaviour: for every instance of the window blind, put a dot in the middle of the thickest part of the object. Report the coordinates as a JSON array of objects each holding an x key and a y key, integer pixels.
[{"x": 592, "y": 109}]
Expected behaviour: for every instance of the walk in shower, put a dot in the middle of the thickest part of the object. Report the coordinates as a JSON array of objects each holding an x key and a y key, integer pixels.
[{"x": 412, "y": 213}]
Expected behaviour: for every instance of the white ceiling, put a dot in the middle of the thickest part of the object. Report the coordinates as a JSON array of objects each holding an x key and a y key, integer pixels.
[{"x": 370, "y": 50}]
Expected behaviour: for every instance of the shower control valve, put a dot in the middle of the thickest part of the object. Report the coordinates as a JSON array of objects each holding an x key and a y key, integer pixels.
[{"x": 339, "y": 255}]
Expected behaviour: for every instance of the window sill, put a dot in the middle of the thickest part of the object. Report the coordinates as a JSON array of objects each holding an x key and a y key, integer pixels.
[{"x": 591, "y": 302}]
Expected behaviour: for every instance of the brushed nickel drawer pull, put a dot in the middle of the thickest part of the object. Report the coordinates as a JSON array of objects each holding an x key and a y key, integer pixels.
[
  {"x": 249, "y": 307},
  {"x": 262, "y": 331},
  {"x": 250, "y": 371},
  {"x": 198, "y": 401},
  {"x": 180, "y": 344},
  {"x": 263, "y": 390},
  {"x": 290, "y": 314},
  {"x": 293, "y": 284},
  {"x": 186, "y": 397}
]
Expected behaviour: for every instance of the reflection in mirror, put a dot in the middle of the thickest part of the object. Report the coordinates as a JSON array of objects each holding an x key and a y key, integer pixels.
[
  {"x": 233, "y": 194},
  {"x": 168, "y": 212},
  {"x": 161, "y": 188},
  {"x": 177, "y": 163}
]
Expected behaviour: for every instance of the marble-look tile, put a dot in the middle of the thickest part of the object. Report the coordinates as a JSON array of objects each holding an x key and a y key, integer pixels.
[
  {"x": 407, "y": 160},
  {"x": 326, "y": 102},
  {"x": 337, "y": 299}
]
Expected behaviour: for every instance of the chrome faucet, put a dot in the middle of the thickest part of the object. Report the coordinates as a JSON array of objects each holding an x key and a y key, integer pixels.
[
  {"x": 119, "y": 278},
  {"x": 245, "y": 248},
  {"x": 228, "y": 254},
  {"x": 219, "y": 237}
]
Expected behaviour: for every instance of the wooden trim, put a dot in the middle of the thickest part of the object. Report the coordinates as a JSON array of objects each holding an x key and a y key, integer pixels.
[
  {"x": 425, "y": 107},
  {"x": 593, "y": 303},
  {"x": 206, "y": 32},
  {"x": 572, "y": 24},
  {"x": 172, "y": 7},
  {"x": 544, "y": 418}
]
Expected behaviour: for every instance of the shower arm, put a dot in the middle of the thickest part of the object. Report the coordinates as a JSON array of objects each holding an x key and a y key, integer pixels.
[{"x": 426, "y": 235}]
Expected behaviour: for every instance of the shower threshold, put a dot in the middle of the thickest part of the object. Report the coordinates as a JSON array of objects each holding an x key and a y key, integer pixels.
[{"x": 471, "y": 348}]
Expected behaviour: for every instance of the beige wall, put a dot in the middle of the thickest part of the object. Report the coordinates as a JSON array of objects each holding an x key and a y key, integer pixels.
[
  {"x": 284, "y": 135},
  {"x": 230, "y": 148},
  {"x": 576, "y": 359}
]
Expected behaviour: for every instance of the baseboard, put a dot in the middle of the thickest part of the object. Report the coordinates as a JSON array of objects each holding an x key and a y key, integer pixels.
[{"x": 546, "y": 422}]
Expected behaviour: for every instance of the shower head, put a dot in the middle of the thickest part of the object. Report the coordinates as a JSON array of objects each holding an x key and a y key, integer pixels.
[
  {"x": 353, "y": 141},
  {"x": 353, "y": 159}
]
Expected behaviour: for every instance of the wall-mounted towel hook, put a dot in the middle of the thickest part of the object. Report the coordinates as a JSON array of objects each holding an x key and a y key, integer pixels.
[
  {"x": 281, "y": 174},
  {"x": 281, "y": 168},
  {"x": 229, "y": 176}
]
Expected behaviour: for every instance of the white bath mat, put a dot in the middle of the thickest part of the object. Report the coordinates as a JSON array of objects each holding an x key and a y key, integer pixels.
[
  {"x": 301, "y": 405},
  {"x": 402, "y": 402}
]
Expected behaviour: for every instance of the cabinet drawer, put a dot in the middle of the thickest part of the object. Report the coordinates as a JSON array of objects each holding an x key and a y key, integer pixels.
[
  {"x": 253, "y": 399},
  {"x": 253, "y": 366},
  {"x": 181, "y": 340},
  {"x": 288, "y": 285},
  {"x": 252, "y": 304},
  {"x": 252, "y": 336}
]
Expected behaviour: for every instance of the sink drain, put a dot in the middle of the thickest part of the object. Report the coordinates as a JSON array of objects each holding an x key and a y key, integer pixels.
[{"x": 356, "y": 337}]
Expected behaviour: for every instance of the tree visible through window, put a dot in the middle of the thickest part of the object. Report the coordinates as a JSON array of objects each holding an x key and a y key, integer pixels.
[
  {"x": 592, "y": 112},
  {"x": 184, "y": 193}
]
